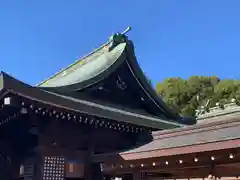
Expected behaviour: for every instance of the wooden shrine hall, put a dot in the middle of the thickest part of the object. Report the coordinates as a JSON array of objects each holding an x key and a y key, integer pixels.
[
  {"x": 100, "y": 118},
  {"x": 200, "y": 151}
]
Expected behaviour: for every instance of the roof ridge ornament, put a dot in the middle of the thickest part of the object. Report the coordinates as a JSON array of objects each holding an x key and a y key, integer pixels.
[
  {"x": 113, "y": 41},
  {"x": 118, "y": 38},
  {"x": 129, "y": 28}
]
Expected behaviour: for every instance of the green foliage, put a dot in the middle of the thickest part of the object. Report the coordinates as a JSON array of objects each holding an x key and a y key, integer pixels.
[{"x": 185, "y": 96}]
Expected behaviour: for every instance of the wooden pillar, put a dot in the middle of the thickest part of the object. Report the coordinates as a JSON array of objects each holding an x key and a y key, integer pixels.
[
  {"x": 107, "y": 177},
  {"x": 33, "y": 160},
  {"x": 7, "y": 161},
  {"x": 92, "y": 171},
  {"x": 137, "y": 175},
  {"x": 131, "y": 176},
  {"x": 6, "y": 171},
  {"x": 87, "y": 171}
]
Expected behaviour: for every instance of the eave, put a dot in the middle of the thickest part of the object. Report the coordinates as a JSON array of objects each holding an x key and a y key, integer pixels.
[
  {"x": 9, "y": 84},
  {"x": 182, "y": 141}
]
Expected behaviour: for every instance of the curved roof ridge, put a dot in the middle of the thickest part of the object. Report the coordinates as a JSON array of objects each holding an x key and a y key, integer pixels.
[
  {"x": 150, "y": 92},
  {"x": 111, "y": 39}
]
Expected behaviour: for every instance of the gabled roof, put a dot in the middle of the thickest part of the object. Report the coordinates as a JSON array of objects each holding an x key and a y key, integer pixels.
[
  {"x": 113, "y": 62},
  {"x": 196, "y": 136},
  {"x": 186, "y": 140}
]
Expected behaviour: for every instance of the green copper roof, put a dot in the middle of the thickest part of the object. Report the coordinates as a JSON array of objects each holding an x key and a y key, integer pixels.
[
  {"x": 99, "y": 65},
  {"x": 90, "y": 65},
  {"x": 86, "y": 68}
]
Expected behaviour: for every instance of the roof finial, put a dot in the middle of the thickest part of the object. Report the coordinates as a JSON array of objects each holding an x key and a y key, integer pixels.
[
  {"x": 129, "y": 28},
  {"x": 118, "y": 38}
]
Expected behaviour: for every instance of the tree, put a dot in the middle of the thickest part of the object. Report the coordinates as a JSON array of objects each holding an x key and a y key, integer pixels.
[
  {"x": 227, "y": 89},
  {"x": 185, "y": 96},
  {"x": 174, "y": 92}
]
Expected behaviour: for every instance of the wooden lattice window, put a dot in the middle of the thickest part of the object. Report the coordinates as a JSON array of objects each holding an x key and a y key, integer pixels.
[{"x": 53, "y": 168}]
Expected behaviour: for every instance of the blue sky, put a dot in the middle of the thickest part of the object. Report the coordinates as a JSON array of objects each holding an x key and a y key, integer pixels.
[{"x": 172, "y": 37}]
